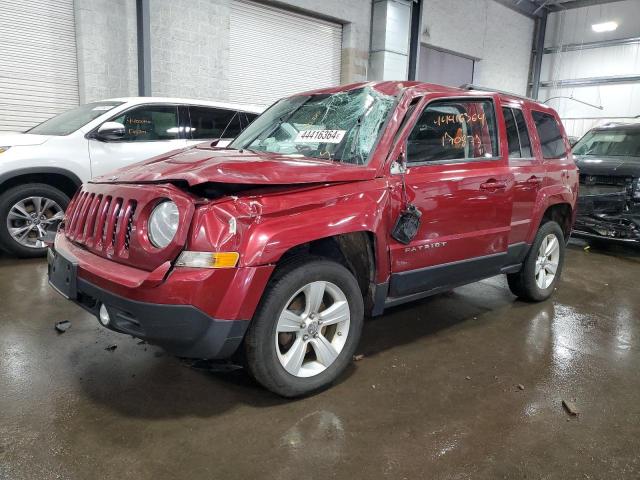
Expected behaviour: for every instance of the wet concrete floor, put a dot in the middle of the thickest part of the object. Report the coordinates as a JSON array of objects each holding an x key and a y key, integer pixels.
[{"x": 463, "y": 385}]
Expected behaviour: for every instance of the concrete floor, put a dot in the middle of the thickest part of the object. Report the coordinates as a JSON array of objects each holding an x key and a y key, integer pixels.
[{"x": 436, "y": 395}]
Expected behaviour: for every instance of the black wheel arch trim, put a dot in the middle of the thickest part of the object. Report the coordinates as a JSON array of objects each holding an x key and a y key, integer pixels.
[{"x": 40, "y": 170}]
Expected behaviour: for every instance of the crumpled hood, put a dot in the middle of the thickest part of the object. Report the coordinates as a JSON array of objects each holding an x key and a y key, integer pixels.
[
  {"x": 11, "y": 139},
  {"x": 201, "y": 164},
  {"x": 618, "y": 166}
]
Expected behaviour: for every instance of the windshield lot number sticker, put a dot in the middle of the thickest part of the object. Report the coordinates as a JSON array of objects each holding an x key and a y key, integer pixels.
[{"x": 320, "y": 136}]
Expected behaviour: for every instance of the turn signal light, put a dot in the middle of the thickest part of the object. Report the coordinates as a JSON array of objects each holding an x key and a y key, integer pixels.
[{"x": 208, "y": 259}]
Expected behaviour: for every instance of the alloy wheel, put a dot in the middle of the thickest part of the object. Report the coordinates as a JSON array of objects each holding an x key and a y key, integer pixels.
[
  {"x": 312, "y": 329},
  {"x": 31, "y": 217},
  {"x": 547, "y": 261}
]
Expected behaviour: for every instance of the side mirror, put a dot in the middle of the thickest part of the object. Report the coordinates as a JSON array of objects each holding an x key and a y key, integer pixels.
[{"x": 111, "y": 131}]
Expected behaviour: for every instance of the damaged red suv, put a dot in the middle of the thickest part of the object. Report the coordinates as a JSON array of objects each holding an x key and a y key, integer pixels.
[{"x": 332, "y": 205}]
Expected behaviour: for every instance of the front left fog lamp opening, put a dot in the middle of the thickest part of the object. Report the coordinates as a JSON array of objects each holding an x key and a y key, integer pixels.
[
  {"x": 103, "y": 315},
  {"x": 208, "y": 259}
]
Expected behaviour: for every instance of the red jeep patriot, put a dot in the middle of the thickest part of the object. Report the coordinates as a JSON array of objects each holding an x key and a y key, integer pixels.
[{"x": 332, "y": 205}]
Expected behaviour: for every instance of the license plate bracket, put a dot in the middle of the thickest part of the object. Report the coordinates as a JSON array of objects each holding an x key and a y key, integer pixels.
[{"x": 63, "y": 274}]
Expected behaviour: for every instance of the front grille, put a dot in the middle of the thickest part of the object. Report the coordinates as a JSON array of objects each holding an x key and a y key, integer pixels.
[
  {"x": 109, "y": 220},
  {"x": 101, "y": 222}
]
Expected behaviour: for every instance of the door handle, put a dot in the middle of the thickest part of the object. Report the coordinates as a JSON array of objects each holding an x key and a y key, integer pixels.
[
  {"x": 534, "y": 181},
  {"x": 492, "y": 186}
]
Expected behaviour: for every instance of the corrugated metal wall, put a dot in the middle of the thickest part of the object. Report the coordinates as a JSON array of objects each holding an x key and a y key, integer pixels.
[
  {"x": 620, "y": 101},
  {"x": 38, "y": 64},
  {"x": 274, "y": 53}
]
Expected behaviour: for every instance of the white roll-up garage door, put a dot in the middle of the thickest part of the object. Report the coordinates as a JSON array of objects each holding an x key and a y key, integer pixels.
[
  {"x": 38, "y": 66},
  {"x": 274, "y": 53}
]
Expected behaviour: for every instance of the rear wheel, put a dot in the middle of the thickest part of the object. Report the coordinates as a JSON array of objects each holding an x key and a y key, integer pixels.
[
  {"x": 27, "y": 212},
  {"x": 306, "y": 329},
  {"x": 542, "y": 267}
]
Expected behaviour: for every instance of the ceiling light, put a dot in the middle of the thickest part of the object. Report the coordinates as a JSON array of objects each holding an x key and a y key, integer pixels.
[{"x": 604, "y": 27}]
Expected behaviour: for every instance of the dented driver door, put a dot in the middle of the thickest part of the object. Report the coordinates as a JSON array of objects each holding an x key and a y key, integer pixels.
[{"x": 462, "y": 186}]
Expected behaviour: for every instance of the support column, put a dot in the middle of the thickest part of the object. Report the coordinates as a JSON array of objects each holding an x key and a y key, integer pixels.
[
  {"x": 414, "y": 41},
  {"x": 390, "y": 33},
  {"x": 144, "y": 48},
  {"x": 541, "y": 31}
]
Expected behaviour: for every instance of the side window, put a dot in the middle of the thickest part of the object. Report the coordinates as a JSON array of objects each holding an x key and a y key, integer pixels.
[
  {"x": 150, "y": 123},
  {"x": 523, "y": 131},
  {"x": 512, "y": 133},
  {"x": 454, "y": 130},
  {"x": 551, "y": 139},
  {"x": 210, "y": 123}
]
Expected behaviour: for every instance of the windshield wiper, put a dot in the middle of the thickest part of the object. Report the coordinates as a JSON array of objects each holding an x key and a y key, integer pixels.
[{"x": 356, "y": 135}]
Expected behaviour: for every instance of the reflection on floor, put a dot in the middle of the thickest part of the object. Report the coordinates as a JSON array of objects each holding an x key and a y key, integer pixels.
[{"x": 463, "y": 385}]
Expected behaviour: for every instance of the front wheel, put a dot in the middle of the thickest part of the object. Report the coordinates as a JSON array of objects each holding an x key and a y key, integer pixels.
[
  {"x": 306, "y": 329},
  {"x": 542, "y": 267},
  {"x": 27, "y": 213}
]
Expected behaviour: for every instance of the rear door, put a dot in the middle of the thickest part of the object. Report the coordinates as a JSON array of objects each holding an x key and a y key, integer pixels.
[
  {"x": 150, "y": 130},
  {"x": 463, "y": 186},
  {"x": 528, "y": 171}
]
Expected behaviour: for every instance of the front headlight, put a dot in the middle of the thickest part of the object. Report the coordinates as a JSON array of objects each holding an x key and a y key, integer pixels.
[
  {"x": 4, "y": 149},
  {"x": 163, "y": 223}
]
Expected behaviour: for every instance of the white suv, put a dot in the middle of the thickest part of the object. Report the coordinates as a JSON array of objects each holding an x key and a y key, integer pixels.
[{"x": 41, "y": 169}]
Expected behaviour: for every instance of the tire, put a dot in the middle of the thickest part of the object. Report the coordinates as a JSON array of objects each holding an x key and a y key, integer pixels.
[
  {"x": 52, "y": 201},
  {"x": 268, "y": 348},
  {"x": 526, "y": 283}
]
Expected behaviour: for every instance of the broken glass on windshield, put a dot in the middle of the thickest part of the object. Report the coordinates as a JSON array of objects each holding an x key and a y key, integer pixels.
[{"x": 343, "y": 126}]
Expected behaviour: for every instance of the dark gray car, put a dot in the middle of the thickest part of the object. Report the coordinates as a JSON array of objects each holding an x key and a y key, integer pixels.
[{"x": 609, "y": 196}]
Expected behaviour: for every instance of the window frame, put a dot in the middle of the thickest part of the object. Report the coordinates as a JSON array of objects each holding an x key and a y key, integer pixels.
[
  {"x": 539, "y": 140},
  {"x": 494, "y": 158},
  {"x": 506, "y": 130},
  {"x": 93, "y": 133},
  {"x": 532, "y": 157}
]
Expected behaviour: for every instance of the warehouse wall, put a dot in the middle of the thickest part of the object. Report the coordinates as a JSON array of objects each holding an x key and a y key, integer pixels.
[
  {"x": 190, "y": 43},
  {"x": 355, "y": 15},
  {"x": 189, "y": 48},
  {"x": 107, "y": 50},
  {"x": 620, "y": 102},
  {"x": 498, "y": 38}
]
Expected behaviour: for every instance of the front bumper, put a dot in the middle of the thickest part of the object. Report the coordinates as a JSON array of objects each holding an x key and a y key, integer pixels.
[
  {"x": 607, "y": 213},
  {"x": 153, "y": 310}
]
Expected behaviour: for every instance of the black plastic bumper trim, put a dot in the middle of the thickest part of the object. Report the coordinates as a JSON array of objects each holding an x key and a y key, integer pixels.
[{"x": 182, "y": 330}]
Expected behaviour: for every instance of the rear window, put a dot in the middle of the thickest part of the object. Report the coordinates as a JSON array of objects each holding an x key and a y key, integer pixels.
[{"x": 550, "y": 135}]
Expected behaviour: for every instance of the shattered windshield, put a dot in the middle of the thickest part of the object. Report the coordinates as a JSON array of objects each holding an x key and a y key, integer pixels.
[
  {"x": 609, "y": 143},
  {"x": 342, "y": 126}
]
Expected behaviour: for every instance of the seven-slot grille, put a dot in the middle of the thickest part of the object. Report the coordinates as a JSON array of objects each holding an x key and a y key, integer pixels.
[{"x": 102, "y": 223}]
